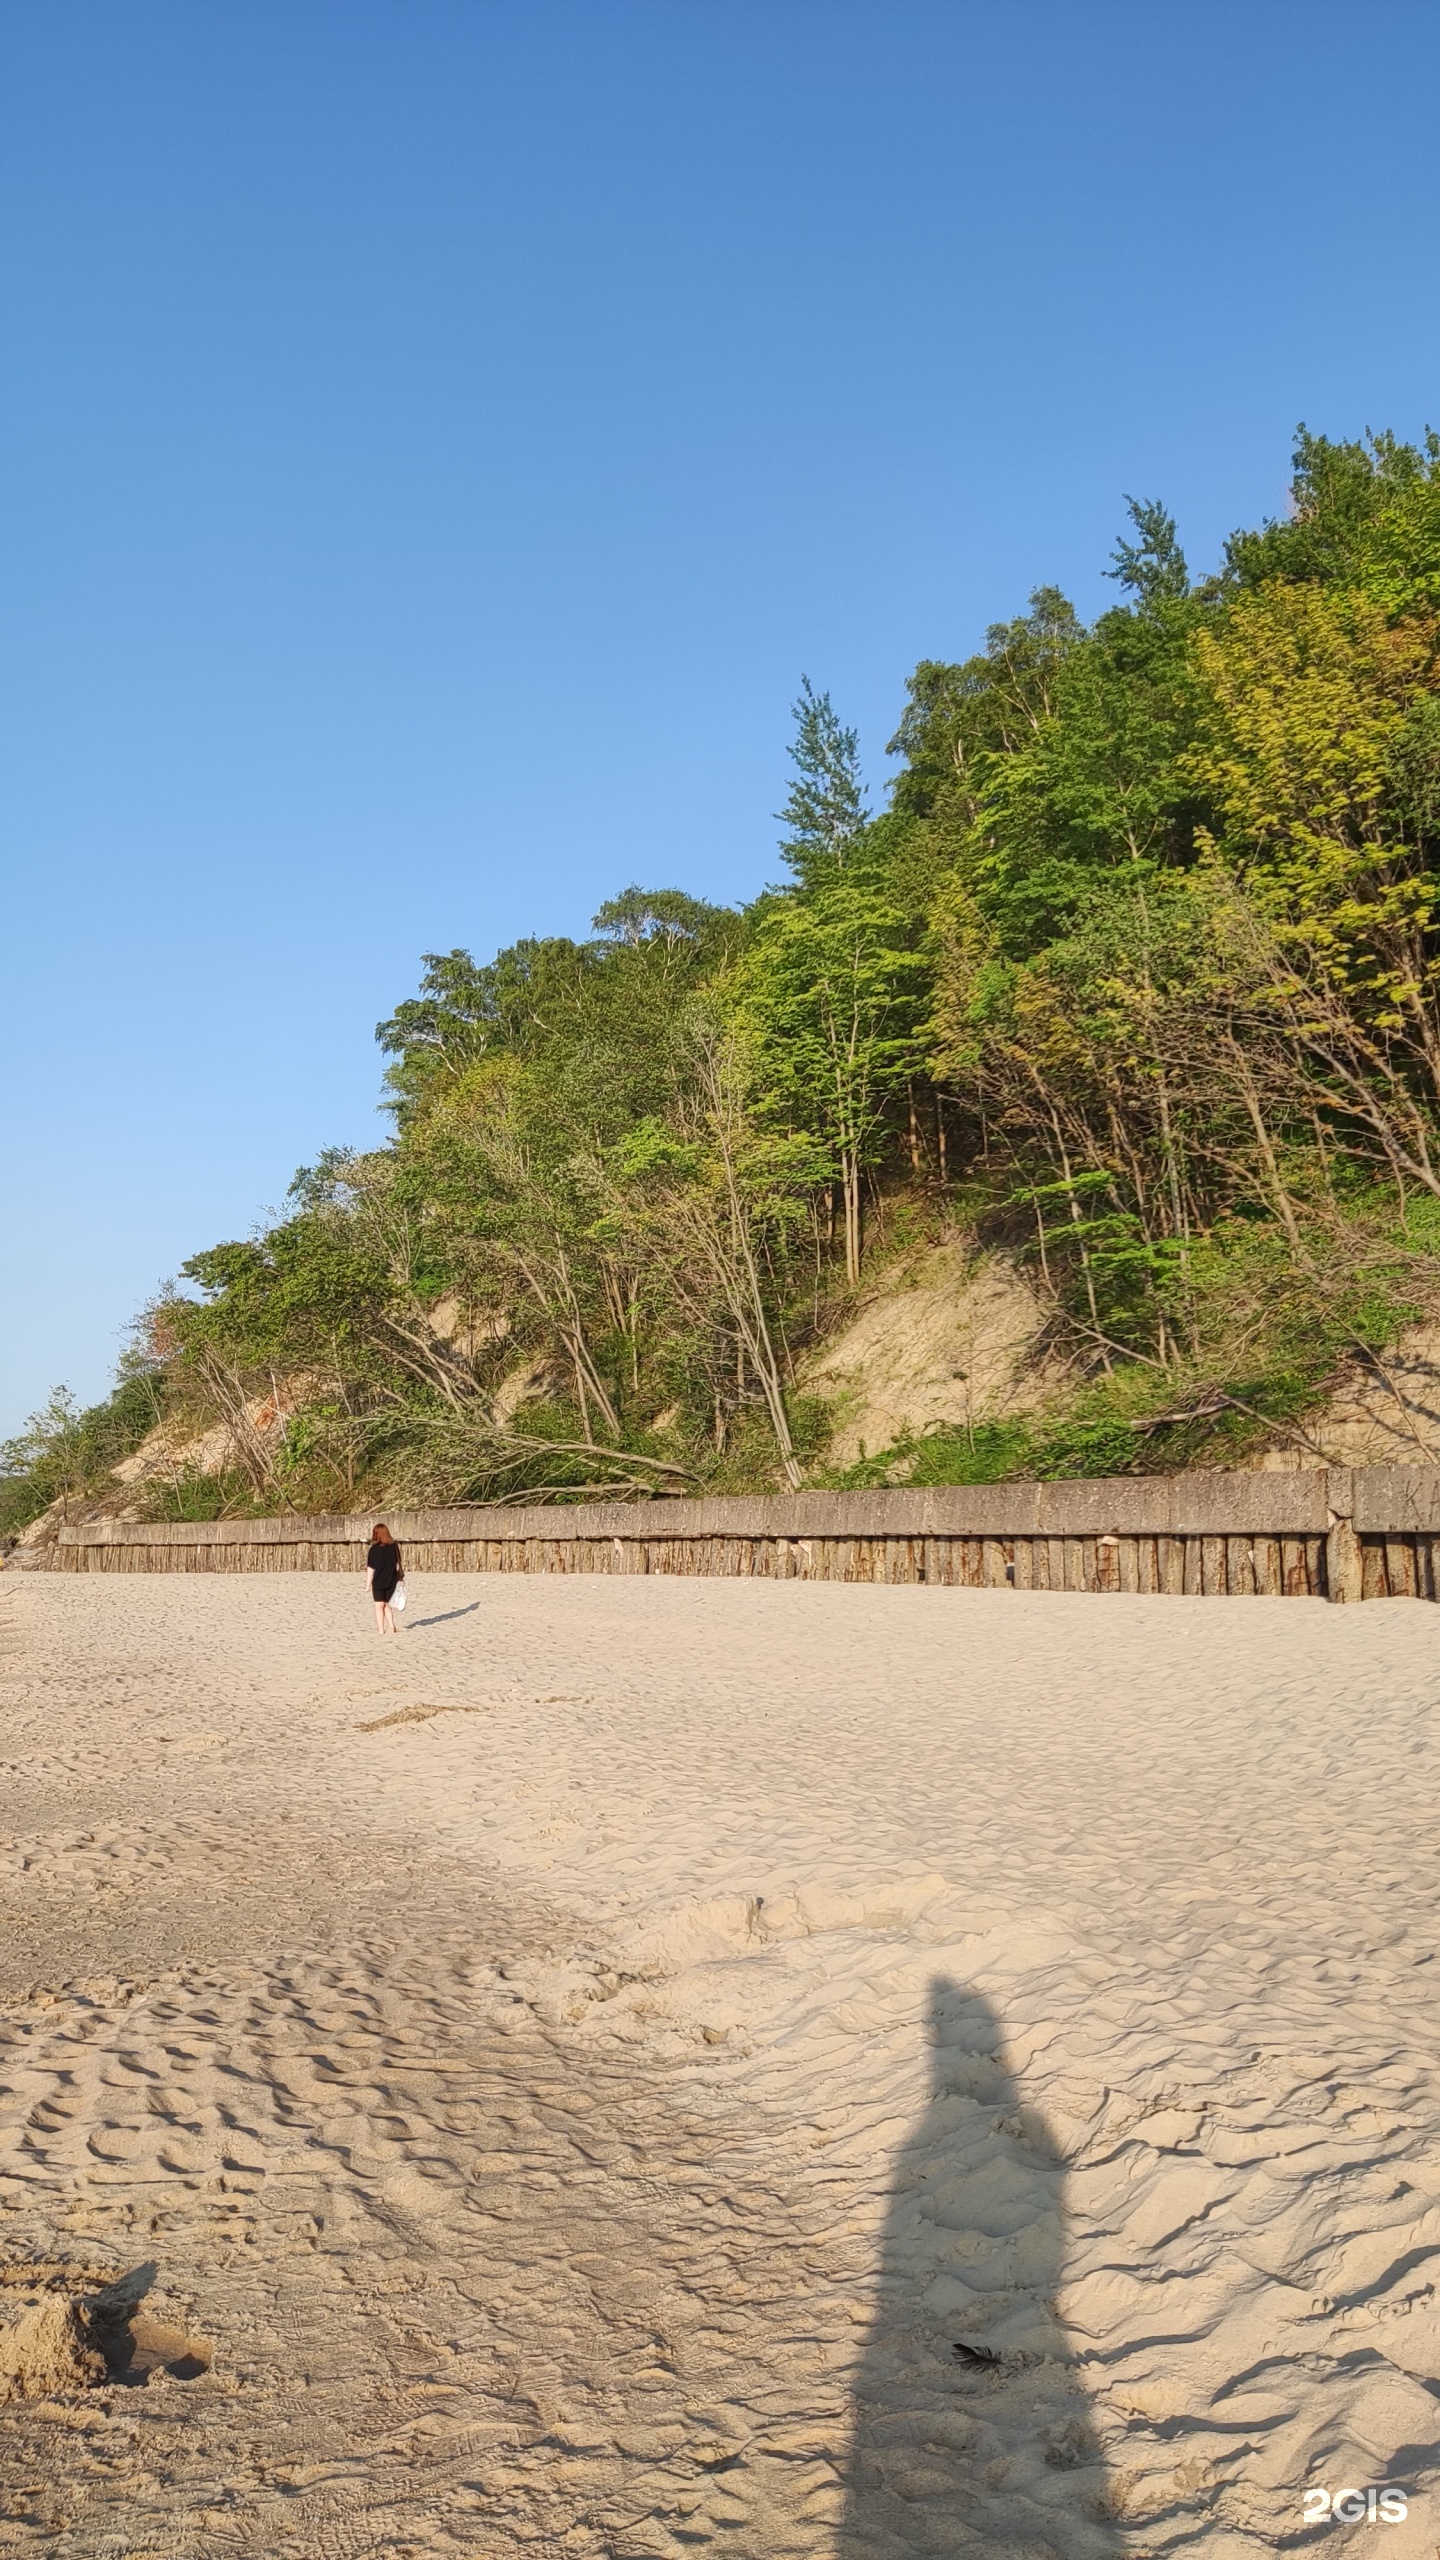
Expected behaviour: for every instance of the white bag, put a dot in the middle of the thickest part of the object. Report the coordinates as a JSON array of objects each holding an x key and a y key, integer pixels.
[{"x": 397, "y": 1597}]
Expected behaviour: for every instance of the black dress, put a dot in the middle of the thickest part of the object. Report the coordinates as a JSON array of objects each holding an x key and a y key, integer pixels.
[{"x": 385, "y": 1568}]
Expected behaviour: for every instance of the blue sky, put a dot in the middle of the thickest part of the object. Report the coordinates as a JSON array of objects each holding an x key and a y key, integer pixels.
[{"x": 437, "y": 436}]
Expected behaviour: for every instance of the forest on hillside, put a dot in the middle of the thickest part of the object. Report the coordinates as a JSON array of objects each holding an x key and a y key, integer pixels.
[{"x": 1137, "y": 974}]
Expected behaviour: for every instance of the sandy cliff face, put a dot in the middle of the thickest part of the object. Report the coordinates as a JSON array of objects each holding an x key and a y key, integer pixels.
[
  {"x": 950, "y": 1336},
  {"x": 954, "y": 1335},
  {"x": 174, "y": 1449},
  {"x": 1384, "y": 1411}
]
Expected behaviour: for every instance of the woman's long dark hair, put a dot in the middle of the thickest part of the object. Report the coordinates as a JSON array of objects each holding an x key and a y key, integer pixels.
[{"x": 380, "y": 1535}]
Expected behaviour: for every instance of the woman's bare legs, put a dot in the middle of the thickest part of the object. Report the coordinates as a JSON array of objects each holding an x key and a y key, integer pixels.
[{"x": 384, "y": 1618}]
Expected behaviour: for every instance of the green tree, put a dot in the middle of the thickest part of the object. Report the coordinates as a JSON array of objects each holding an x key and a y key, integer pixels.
[
  {"x": 836, "y": 995},
  {"x": 825, "y": 811},
  {"x": 1153, "y": 567},
  {"x": 711, "y": 1199}
]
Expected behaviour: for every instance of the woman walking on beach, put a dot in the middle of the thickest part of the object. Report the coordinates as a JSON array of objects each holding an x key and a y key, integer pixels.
[{"x": 383, "y": 1570}]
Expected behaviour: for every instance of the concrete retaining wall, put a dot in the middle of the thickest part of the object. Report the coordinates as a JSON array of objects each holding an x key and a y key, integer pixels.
[{"x": 1338, "y": 1534}]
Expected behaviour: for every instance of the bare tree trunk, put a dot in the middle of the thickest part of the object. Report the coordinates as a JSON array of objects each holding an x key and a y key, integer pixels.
[
  {"x": 1077, "y": 1220},
  {"x": 1244, "y": 1076},
  {"x": 567, "y": 1321},
  {"x": 581, "y": 1397},
  {"x": 738, "y": 1273},
  {"x": 245, "y": 1440},
  {"x": 850, "y": 1165}
]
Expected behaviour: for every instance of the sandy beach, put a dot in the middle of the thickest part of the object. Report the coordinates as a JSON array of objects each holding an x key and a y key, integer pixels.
[{"x": 567, "y": 2079}]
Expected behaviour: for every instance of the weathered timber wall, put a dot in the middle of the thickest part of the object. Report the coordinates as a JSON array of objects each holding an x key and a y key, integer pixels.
[{"x": 1339, "y": 1534}]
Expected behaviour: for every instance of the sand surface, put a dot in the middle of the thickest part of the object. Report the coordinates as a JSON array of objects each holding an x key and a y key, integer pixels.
[{"x": 565, "y": 2081}]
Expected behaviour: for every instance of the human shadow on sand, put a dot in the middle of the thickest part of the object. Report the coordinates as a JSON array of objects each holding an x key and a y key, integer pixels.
[
  {"x": 442, "y": 1617},
  {"x": 988, "y": 2449}
]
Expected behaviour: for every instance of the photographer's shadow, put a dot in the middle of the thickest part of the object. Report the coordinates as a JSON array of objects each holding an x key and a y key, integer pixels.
[{"x": 989, "y": 2449}]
